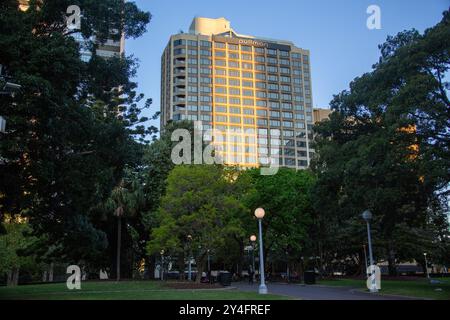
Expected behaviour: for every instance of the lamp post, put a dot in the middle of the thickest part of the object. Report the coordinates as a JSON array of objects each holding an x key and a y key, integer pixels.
[
  {"x": 367, "y": 216},
  {"x": 426, "y": 265},
  {"x": 190, "y": 258},
  {"x": 259, "y": 214},
  {"x": 209, "y": 266},
  {"x": 365, "y": 258},
  {"x": 162, "y": 264},
  {"x": 253, "y": 240}
]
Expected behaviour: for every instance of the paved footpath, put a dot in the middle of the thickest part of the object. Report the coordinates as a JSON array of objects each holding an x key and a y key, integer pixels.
[{"x": 317, "y": 292}]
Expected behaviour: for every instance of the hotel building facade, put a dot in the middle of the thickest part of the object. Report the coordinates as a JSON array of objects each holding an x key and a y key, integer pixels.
[{"x": 256, "y": 90}]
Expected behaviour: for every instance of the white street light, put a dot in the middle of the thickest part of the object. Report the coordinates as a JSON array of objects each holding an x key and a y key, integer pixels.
[
  {"x": 259, "y": 213},
  {"x": 426, "y": 265},
  {"x": 162, "y": 264},
  {"x": 367, "y": 216}
]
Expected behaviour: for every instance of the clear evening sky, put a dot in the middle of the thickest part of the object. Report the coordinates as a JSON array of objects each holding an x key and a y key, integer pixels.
[{"x": 335, "y": 32}]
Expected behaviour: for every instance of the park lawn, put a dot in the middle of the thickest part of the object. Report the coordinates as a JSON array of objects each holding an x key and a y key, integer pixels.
[
  {"x": 124, "y": 290},
  {"x": 420, "y": 288}
]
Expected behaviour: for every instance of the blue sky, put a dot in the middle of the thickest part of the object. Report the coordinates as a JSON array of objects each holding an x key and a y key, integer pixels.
[{"x": 335, "y": 32}]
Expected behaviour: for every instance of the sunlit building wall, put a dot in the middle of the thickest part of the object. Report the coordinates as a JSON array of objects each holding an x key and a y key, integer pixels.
[{"x": 240, "y": 84}]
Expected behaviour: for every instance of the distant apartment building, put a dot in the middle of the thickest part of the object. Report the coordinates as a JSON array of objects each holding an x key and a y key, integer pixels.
[
  {"x": 240, "y": 84},
  {"x": 320, "y": 114}
]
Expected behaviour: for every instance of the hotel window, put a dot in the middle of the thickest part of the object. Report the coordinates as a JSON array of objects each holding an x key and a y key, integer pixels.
[
  {"x": 260, "y": 59},
  {"x": 205, "y": 70},
  {"x": 298, "y": 107},
  {"x": 263, "y": 150},
  {"x": 221, "y": 99},
  {"x": 288, "y": 124},
  {"x": 296, "y": 55},
  {"x": 286, "y": 106},
  {"x": 193, "y": 79},
  {"x": 275, "y": 142},
  {"x": 220, "y": 118},
  {"x": 288, "y": 133},
  {"x": 192, "y": 89},
  {"x": 205, "y": 80},
  {"x": 246, "y": 74},
  {"x": 296, "y": 64},
  {"x": 298, "y": 98},
  {"x": 261, "y": 85},
  {"x": 192, "y": 61},
  {"x": 261, "y": 113},
  {"x": 248, "y": 102},
  {"x": 206, "y": 108},
  {"x": 220, "y": 53},
  {"x": 205, "y": 98},
  {"x": 206, "y": 62},
  {"x": 235, "y": 110},
  {"x": 261, "y": 94},
  {"x": 274, "y": 105},
  {"x": 246, "y": 65},
  {"x": 221, "y": 80},
  {"x": 300, "y": 125},
  {"x": 206, "y": 44},
  {"x": 286, "y": 97},
  {"x": 179, "y": 51},
  {"x": 302, "y": 163},
  {"x": 220, "y": 108},
  {"x": 272, "y": 69},
  {"x": 219, "y": 45},
  {"x": 221, "y": 63},
  {"x": 249, "y": 121},
  {"x": 248, "y": 111},
  {"x": 273, "y": 95},
  {"x": 233, "y": 47},
  {"x": 286, "y": 88},
  {"x": 205, "y": 53},
  {"x": 192, "y": 43},
  {"x": 262, "y": 132},
  {"x": 221, "y": 72},
  {"x": 192, "y": 52},
  {"x": 272, "y": 60},
  {"x": 305, "y": 58},
  {"x": 284, "y": 62},
  {"x": 261, "y": 103},
  {"x": 205, "y": 89},
  {"x": 192, "y": 107},
  {"x": 289, "y": 153},
  {"x": 301, "y": 153},
  {"x": 260, "y": 76},
  {"x": 234, "y": 119},
  {"x": 246, "y": 56},
  {"x": 248, "y": 93},
  {"x": 233, "y": 64},
  {"x": 192, "y": 98},
  {"x": 272, "y": 77},
  {"x": 262, "y": 122},
  {"x": 222, "y": 90},
  {"x": 193, "y": 117},
  {"x": 233, "y": 73},
  {"x": 179, "y": 42},
  {"x": 297, "y": 72},
  {"x": 234, "y": 91},
  {"x": 246, "y": 48},
  {"x": 285, "y": 70},
  {"x": 287, "y": 115},
  {"x": 285, "y": 79},
  {"x": 247, "y": 83},
  {"x": 233, "y": 55},
  {"x": 274, "y": 123},
  {"x": 272, "y": 52},
  {"x": 274, "y": 114},
  {"x": 205, "y": 117},
  {"x": 299, "y": 116},
  {"x": 260, "y": 67},
  {"x": 284, "y": 53},
  {"x": 234, "y": 82},
  {"x": 308, "y": 118},
  {"x": 259, "y": 49},
  {"x": 272, "y": 86},
  {"x": 235, "y": 101},
  {"x": 298, "y": 90}
]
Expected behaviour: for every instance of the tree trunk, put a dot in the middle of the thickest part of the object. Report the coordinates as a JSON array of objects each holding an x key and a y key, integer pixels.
[
  {"x": 181, "y": 266},
  {"x": 200, "y": 263},
  {"x": 50, "y": 272},
  {"x": 119, "y": 240},
  {"x": 13, "y": 277},
  {"x": 391, "y": 262}
]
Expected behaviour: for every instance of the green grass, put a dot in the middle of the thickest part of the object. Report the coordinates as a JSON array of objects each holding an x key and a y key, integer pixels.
[
  {"x": 124, "y": 290},
  {"x": 420, "y": 288}
]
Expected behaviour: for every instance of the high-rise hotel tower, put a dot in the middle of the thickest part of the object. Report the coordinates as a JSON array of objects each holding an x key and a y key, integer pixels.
[{"x": 256, "y": 90}]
